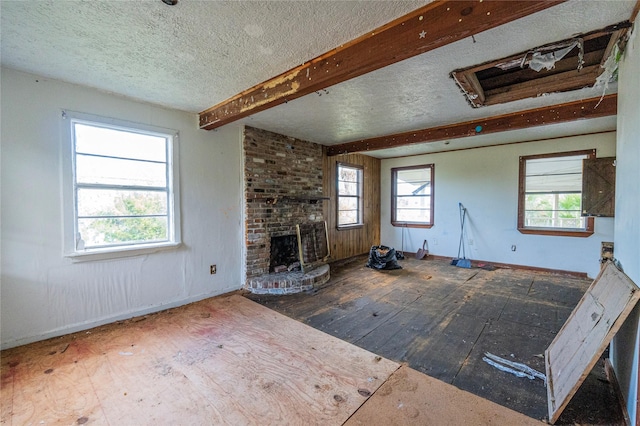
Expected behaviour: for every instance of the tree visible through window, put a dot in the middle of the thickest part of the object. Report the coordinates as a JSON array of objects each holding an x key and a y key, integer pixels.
[
  {"x": 412, "y": 196},
  {"x": 350, "y": 201},
  {"x": 550, "y": 196},
  {"x": 123, "y": 186}
]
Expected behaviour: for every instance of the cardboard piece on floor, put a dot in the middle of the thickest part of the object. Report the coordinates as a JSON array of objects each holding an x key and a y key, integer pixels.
[{"x": 584, "y": 337}]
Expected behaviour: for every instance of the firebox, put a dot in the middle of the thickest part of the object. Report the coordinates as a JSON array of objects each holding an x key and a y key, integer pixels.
[{"x": 284, "y": 254}]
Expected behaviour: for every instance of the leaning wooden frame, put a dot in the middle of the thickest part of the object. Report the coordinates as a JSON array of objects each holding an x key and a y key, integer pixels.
[
  {"x": 313, "y": 245},
  {"x": 586, "y": 334}
]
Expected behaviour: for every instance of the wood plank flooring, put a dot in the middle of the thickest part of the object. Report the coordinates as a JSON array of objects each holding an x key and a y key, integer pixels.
[{"x": 440, "y": 320}]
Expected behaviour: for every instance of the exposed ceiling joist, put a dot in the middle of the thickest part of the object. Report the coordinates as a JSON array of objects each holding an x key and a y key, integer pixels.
[
  {"x": 434, "y": 25},
  {"x": 513, "y": 121}
]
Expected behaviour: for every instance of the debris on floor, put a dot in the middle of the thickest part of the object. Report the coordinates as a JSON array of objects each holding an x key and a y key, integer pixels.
[
  {"x": 516, "y": 368},
  {"x": 383, "y": 257}
]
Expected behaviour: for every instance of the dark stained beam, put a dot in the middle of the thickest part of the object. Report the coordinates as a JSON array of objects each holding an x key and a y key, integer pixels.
[
  {"x": 434, "y": 25},
  {"x": 513, "y": 121}
]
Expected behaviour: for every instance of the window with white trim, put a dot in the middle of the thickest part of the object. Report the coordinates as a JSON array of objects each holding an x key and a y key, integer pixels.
[
  {"x": 350, "y": 201},
  {"x": 123, "y": 178},
  {"x": 550, "y": 194},
  {"x": 412, "y": 196}
]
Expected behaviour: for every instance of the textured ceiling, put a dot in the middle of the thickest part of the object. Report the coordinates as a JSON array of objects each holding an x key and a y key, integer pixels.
[
  {"x": 199, "y": 53},
  {"x": 189, "y": 56}
]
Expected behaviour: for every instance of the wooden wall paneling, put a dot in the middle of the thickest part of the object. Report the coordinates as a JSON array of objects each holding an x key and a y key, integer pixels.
[
  {"x": 350, "y": 242},
  {"x": 585, "y": 335}
]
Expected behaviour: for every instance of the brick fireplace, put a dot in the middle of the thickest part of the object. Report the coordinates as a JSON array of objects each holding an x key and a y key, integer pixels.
[{"x": 283, "y": 188}]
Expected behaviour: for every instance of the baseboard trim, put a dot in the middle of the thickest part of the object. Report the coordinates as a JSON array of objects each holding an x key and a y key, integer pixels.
[
  {"x": 88, "y": 325},
  {"x": 480, "y": 263}
]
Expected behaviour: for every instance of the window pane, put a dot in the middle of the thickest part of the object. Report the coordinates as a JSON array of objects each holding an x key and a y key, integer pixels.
[
  {"x": 348, "y": 188},
  {"x": 414, "y": 202},
  {"x": 112, "y": 171},
  {"x": 413, "y": 215},
  {"x": 553, "y": 211},
  {"x": 116, "y": 231},
  {"x": 555, "y": 183},
  {"x": 113, "y": 202},
  {"x": 347, "y": 217},
  {"x": 555, "y": 174},
  {"x": 347, "y": 203},
  {"x": 119, "y": 143},
  {"x": 415, "y": 175},
  {"x": 348, "y": 174}
]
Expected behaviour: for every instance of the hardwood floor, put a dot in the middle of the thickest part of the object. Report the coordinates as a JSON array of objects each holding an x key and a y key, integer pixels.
[{"x": 440, "y": 320}]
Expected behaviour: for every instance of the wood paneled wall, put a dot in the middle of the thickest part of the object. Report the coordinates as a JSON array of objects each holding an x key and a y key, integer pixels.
[{"x": 351, "y": 242}]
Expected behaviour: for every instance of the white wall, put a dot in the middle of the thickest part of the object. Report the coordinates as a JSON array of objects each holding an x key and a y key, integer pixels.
[
  {"x": 485, "y": 181},
  {"x": 45, "y": 294},
  {"x": 626, "y": 344}
]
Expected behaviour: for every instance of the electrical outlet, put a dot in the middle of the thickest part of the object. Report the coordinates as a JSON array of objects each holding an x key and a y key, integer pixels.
[
  {"x": 513, "y": 247},
  {"x": 435, "y": 242},
  {"x": 470, "y": 242},
  {"x": 213, "y": 269}
]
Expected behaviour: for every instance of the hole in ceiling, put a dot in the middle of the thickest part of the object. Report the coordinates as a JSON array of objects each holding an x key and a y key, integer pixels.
[
  {"x": 562, "y": 66},
  {"x": 170, "y": 2}
]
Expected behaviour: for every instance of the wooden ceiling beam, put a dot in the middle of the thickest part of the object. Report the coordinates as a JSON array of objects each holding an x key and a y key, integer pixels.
[
  {"x": 434, "y": 25},
  {"x": 561, "y": 113}
]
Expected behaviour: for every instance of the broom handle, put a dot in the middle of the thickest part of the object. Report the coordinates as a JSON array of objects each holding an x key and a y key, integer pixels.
[{"x": 463, "y": 214}]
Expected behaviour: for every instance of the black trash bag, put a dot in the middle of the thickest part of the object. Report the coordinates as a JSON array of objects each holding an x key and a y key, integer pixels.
[{"x": 382, "y": 257}]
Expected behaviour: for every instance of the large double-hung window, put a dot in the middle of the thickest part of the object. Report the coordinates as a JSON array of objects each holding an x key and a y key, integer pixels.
[
  {"x": 123, "y": 180},
  {"x": 412, "y": 196},
  {"x": 550, "y": 194},
  {"x": 350, "y": 198}
]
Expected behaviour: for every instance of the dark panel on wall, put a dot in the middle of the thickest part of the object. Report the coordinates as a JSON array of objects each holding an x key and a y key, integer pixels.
[{"x": 599, "y": 187}]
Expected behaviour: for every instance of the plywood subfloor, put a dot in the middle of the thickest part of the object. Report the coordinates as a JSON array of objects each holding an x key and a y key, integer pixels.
[
  {"x": 409, "y": 397},
  {"x": 440, "y": 320},
  {"x": 225, "y": 360}
]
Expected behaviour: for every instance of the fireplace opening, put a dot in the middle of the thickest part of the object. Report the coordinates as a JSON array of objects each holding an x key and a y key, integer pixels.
[{"x": 284, "y": 254}]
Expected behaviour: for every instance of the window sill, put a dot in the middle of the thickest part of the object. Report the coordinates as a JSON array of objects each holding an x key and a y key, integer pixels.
[
  {"x": 119, "y": 252},
  {"x": 556, "y": 232},
  {"x": 348, "y": 227},
  {"x": 412, "y": 225}
]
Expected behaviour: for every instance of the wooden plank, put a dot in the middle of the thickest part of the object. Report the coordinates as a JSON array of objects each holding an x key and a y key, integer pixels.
[
  {"x": 542, "y": 116},
  {"x": 586, "y": 334},
  {"x": 442, "y": 353},
  {"x": 434, "y": 25},
  {"x": 585, "y": 77},
  {"x": 412, "y": 398}
]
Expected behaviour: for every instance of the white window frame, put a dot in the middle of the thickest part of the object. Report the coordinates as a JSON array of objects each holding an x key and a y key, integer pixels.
[
  {"x": 71, "y": 248},
  {"x": 359, "y": 197}
]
